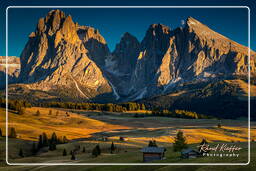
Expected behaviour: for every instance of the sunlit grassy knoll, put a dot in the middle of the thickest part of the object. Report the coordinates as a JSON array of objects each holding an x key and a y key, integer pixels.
[{"x": 29, "y": 126}]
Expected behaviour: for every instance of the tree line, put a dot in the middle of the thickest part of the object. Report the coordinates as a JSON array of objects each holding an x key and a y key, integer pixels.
[{"x": 21, "y": 105}]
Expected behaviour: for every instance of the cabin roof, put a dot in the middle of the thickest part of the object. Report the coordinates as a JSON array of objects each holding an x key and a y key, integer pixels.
[
  {"x": 188, "y": 150},
  {"x": 153, "y": 150}
]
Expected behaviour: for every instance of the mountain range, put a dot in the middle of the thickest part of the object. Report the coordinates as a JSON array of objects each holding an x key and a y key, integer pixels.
[{"x": 65, "y": 61}]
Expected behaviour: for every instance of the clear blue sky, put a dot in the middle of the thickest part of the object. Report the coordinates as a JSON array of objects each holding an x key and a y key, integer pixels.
[{"x": 112, "y": 23}]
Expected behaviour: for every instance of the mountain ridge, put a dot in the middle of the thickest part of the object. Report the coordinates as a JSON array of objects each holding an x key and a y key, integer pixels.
[{"x": 73, "y": 62}]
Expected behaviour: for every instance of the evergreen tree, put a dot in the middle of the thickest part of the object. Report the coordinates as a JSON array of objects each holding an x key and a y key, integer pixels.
[
  {"x": 203, "y": 142},
  {"x": 73, "y": 157},
  {"x": 34, "y": 149},
  {"x": 96, "y": 151},
  {"x": 40, "y": 142},
  {"x": 13, "y": 133},
  {"x": 112, "y": 148},
  {"x": 37, "y": 113},
  {"x": 64, "y": 152},
  {"x": 21, "y": 153},
  {"x": 152, "y": 144},
  {"x": 83, "y": 150},
  {"x": 180, "y": 142},
  {"x": 65, "y": 140},
  {"x": 54, "y": 138},
  {"x": 52, "y": 146},
  {"x": 1, "y": 134},
  {"x": 45, "y": 139}
]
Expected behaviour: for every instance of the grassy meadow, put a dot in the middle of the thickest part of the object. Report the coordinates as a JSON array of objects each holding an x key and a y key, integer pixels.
[{"x": 87, "y": 129}]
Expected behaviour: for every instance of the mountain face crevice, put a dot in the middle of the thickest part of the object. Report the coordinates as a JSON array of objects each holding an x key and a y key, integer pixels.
[{"x": 73, "y": 61}]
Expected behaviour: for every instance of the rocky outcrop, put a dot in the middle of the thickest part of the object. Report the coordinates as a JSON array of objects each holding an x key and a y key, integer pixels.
[
  {"x": 188, "y": 53},
  {"x": 55, "y": 58},
  {"x": 120, "y": 65},
  {"x": 13, "y": 70}
]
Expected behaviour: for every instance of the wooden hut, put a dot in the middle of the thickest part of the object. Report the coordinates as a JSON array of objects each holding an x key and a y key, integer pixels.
[
  {"x": 189, "y": 153},
  {"x": 153, "y": 153}
]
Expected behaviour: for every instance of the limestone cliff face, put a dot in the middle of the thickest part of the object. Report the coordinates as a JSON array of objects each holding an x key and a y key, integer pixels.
[
  {"x": 188, "y": 53},
  {"x": 120, "y": 65},
  {"x": 94, "y": 43},
  {"x": 55, "y": 57}
]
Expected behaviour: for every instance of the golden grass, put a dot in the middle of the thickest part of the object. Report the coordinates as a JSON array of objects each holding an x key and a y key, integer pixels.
[
  {"x": 194, "y": 135},
  {"x": 29, "y": 126}
]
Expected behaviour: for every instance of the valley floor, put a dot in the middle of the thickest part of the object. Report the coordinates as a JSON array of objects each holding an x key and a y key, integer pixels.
[{"x": 88, "y": 128}]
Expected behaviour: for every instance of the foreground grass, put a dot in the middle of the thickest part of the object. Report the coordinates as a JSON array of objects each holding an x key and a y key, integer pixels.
[{"x": 125, "y": 154}]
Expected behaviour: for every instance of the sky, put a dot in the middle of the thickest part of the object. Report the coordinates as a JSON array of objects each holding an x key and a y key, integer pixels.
[{"x": 113, "y": 22}]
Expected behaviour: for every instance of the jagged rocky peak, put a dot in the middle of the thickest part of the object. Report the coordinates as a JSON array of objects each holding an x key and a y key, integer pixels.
[
  {"x": 128, "y": 42},
  {"x": 156, "y": 38},
  {"x": 86, "y": 33},
  {"x": 95, "y": 43},
  {"x": 51, "y": 23},
  {"x": 126, "y": 53},
  {"x": 56, "y": 57}
]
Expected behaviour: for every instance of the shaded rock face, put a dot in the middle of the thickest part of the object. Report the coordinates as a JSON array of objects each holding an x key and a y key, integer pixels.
[
  {"x": 72, "y": 60},
  {"x": 120, "y": 65},
  {"x": 13, "y": 70},
  {"x": 55, "y": 57}
]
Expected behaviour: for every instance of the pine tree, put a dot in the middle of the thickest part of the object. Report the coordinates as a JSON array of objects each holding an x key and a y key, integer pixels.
[
  {"x": 21, "y": 153},
  {"x": 73, "y": 157},
  {"x": 65, "y": 140},
  {"x": 54, "y": 138},
  {"x": 40, "y": 142},
  {"x": 37, "y": 113},
  {"x": 83, "y": 150},
  {"x": 1, "y": 134},
  {"x": 96, "y": 151},
  {"x": 112, "y": 148},
  {"x": 180, "y": 142},
  {"x": 45, "y": 139},
  {"x": 64, "y": 152},
  {"x": 13, "y": 133},
  {"x": 34, "y": 149},
  {"x": 52, "y": 146},
  {"x": 152, "y": 144}
]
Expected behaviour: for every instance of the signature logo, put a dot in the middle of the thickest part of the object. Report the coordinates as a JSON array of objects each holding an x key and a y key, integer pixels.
[{"x": 219, "y": 150}]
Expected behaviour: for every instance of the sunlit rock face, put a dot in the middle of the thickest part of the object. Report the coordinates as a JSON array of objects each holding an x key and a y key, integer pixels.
[{"x": 57, "y": 56}]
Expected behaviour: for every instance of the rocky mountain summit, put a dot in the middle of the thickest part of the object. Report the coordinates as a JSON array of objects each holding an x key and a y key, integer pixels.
[
  {"x": 69, "y": 61},
  {"x": 59, "y": 57}
]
